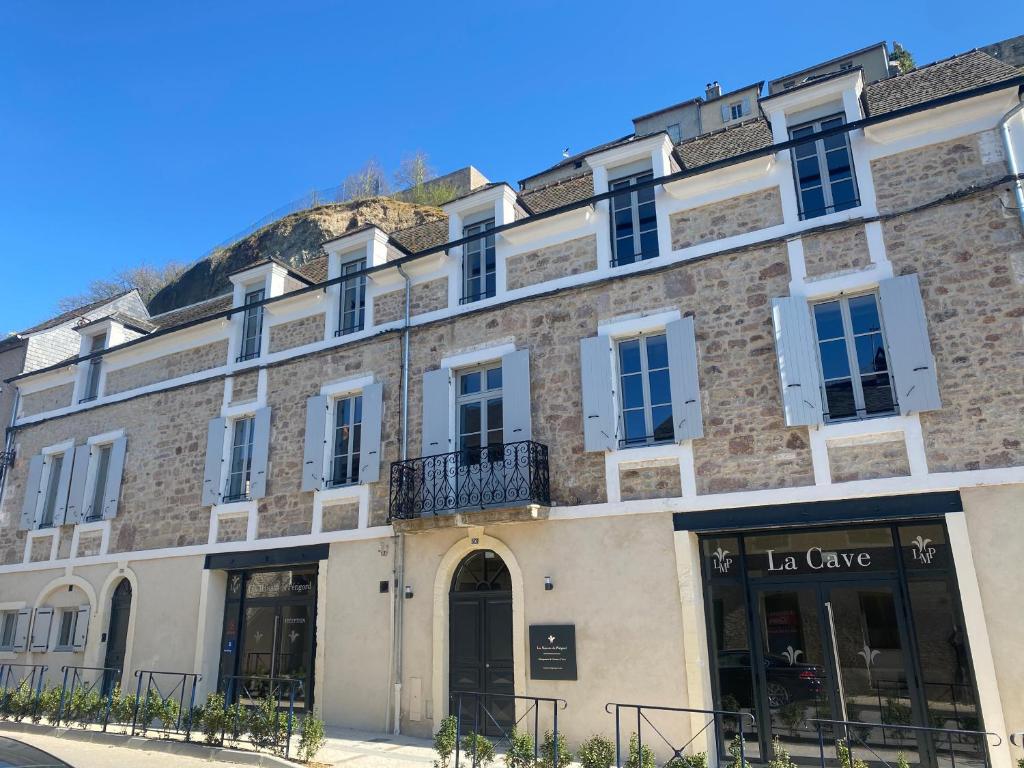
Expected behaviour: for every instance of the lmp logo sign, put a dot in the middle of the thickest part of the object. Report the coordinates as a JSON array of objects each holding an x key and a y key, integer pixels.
[
  {"x": 922, "y": 550},
  {"x": 818, "y": 559},
  {"x": 720, "y": 560}
]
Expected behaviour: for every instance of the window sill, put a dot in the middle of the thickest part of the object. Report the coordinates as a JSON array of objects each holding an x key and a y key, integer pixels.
[{"x": 246, "y": 358}]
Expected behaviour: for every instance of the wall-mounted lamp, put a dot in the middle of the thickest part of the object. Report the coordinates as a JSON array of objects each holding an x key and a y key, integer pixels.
[
  {"x": 548, "y": 586},
  {"x": 408, "y": 591}
]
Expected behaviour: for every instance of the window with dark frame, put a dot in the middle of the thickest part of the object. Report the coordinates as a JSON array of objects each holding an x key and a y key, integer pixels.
[
  {"x": 634, "y": 221},
  {"x": 252, "y": 325},
  {"x": 824, "y": 170},
  {"x": 736, "y": 110},
  {"x": 352, "y": 316},
  {"x": 92, "y": 375},
  {"x": 348, "y": 424},
  {"x": 240, "y": 465},
  {"x": 481, "y": 414},
  {"x": 479, "y": 263},
  {"x": 56, "y": 462},
  {"x": 8, "y": 629},
  {"x": 853, "y": 358},
  {"x": 99, "y": 483},
  {"x": 645, "y": 397},
  {"x": 66, "y": 629}
]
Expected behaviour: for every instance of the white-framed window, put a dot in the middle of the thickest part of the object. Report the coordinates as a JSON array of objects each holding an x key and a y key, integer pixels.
[
  {"x": 66, "y": 626},
  {"x": 8, "y": 630},
  {"x": 352, "y": 292},
  {"x": 480, "y": 408},
  {"x": 823, "y": 169},
  {"x": 54, "y": 464},
  {"x": 736, "y": 110},
  {"x": 645, "y": 395},
  {"x": 237, "y": 487},
  {"x": 347, "y": 439},
  {"x": 634, "y": 221},
  {"x": 100, "y": 470},
  {"x": 252, "y": 325},
  {"x": 853, "y": 358},
  {"x": 91, "y": 386},
  {"x": 479, "y": 263}
]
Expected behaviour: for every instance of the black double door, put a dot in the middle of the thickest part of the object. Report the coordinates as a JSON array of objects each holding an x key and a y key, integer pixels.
[{"x": 481, "y": 661}]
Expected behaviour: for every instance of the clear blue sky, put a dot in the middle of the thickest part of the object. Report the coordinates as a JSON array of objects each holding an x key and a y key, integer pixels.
[{"x": 145, "y": 131}]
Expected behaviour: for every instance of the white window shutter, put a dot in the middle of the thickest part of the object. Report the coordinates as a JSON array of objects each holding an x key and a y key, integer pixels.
[
  {"x": 115, "y": 471},
  {"x": 214, "y": 461},
  {"x": 517, "y": 416},
  {"x": 30, "y": 505},
  {"x": 599, "y": 422},
  {"x": 260, "y": 453},
  {"x": 437, "y": 386},
  {"x": 63, "y": 487},
  {"x": 81, "y": 628},
  {"x": 369, "y": 445},
  {"x": 41, "y": 630},
  {"x": 798, "y": 366},
  {"x": 315, "y": 443},
  {"x": 76, "y": 496},
  {"x": 687, "y": 419},
  {"x": 21, "y": 630},
  {"x": 746, "y": 106},
  {"x": 911, "y": 362},
  {"x": 726, "y": 115}
]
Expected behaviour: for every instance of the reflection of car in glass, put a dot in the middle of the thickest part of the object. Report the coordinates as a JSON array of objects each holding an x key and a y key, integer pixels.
[
  {"x": 16, "y": 754},
  {"x": 786, "y": 682}
]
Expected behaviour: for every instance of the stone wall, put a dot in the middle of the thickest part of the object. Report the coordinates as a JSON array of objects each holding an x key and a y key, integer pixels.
[
  {"x": 657, "y": 482},
  {"x": 343, "y": 516},
  {"x": 232, "y": 528},
  {"x": 40, "y": 549},
  {"x": 838, "y": 250},
  {"x": 569, "y": 258},
  {"x": 297, "y": 333},
  {"x": 167, "y": 367},
  {"x": 90, "y": 543},
  {"x": 47, "y": 399},
  {"x": 869, "y": 459},
  {"x": 921, "y": 175},
  {"x": 245, "y": 387},
  {"x": 389, "y": 307},
  {"x": 426, "y": 297},
  {"x": 735, "y": 216}
]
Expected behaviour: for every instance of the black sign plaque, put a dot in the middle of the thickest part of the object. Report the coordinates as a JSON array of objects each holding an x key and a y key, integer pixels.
[{"x": 553, "y": 651}]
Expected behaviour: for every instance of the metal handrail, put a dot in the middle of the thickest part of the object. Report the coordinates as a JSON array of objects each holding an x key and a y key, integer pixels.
[
  {"x": 78, "y": 681},
  {"x": 232, "y": 690},
  {"x": 914, "y": 729},
  {"x": 716, "y": 714},
  {"x": 481, "y": 697},
  {"x": 154, "y": 685},
  {"x": 35, "y": 677}
]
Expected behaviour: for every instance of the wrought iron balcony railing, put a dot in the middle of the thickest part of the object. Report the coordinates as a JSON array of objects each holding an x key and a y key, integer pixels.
[{"x": 472, "y": 478}]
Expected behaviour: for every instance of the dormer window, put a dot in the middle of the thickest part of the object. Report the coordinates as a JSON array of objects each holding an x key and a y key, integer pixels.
[
  {"x": 252, "y": 325},
  {"x": 91, "y": 388},
  {"x": 634, "y": 221},
  {"x": 479, "y": 263},
  {"x": 824, "y": 170},
  {"x": 352, "y": 314}
]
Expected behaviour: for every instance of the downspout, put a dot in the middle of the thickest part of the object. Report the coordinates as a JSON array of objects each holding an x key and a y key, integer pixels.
[
  {"x": 1011, "y": 158},
  {"x": 399, "y": 538}
]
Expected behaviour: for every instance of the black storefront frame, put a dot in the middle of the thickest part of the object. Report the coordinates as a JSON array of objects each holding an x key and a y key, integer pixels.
[
  {"x": 899, "y": 577},
  {"x": 244, "y": 602}
]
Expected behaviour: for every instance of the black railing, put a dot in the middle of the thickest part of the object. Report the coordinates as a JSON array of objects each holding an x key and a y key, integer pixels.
[
  {"x": 270, "y": 701},
  {"x": 472, "y": 478},
  {"x": 87, "y": 693},
  {"x": 169, "y": 699},
  {"x": 636, "y": 744},
  {"x": 850, "y": 738},
  {"x": 498, "y": 715},
  {"x": 22, "y": 684}
]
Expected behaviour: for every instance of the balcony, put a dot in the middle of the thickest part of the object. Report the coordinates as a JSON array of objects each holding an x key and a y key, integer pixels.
[{"x": 499, "y": 483}]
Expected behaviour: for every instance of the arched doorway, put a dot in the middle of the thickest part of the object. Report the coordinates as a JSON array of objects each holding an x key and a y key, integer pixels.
[
  {"x": 117, "y": 630},
  {"x": 480, "y": 654}
]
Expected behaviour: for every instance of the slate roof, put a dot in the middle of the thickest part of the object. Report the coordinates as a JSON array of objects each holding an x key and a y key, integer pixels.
[
  {"x": 193, "y": 311},
  {"x": 580, "y": 156},
  {"x": 422, "y": 236},
  {"x": 728, "y": 142},
  {"x": 932, "y": 81},
  {"x": 64, "y": 317},
  {"x": 314, "y": 270},
  {"x": 128, "y": 321},
  {"x": 559, "y": 193}
]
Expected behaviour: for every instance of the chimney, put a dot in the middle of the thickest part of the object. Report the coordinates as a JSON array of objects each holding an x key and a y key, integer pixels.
[{"x": 713, "y": 90}]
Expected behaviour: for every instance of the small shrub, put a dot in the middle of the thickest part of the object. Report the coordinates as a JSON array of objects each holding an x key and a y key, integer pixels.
[
  {"x": 268, "y": 727},
  {"x": 547, "y": 751},
  {"x": 792, "y": 715},
  {"x": 312, "y": 739},
  {"x": 49, "y": 706},
  {"x": 901, "y": 760},
  {"x": 596, "y": 752},
  {"x": 478, "y": 748},
  {"x": 520, "y": 749},
  {"x": 212, "y": 719},
  {"x": 780, "y": 756},
  {"x": 843, "y": 753},
  {"x": 696, "y": 760},
  {"x": 444, "y": 741},
  {"x": 738, "y": 755},
  {"x": 21, "y": 702},
  {"x": 639, "y": 757}
]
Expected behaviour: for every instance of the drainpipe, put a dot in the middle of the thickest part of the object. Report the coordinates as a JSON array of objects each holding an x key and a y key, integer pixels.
[
  {"x": 398, "y": 541},
  {"x": 1011, "y": 158}
]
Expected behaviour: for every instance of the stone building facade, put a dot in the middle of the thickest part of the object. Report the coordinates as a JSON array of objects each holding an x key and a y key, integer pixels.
[{"x": 626, "y": 414}]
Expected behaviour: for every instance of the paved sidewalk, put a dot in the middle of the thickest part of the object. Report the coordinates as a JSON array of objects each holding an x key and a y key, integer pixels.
[
  {"x": 86, "y": 754},
  {"x": 373, "y": 750}
]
